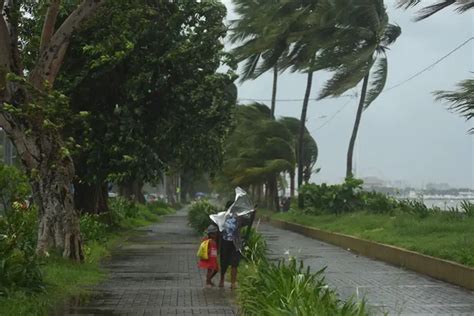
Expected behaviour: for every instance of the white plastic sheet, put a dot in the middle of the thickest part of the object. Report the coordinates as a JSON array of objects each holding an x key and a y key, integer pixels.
[{"x": 242, "y": 206}]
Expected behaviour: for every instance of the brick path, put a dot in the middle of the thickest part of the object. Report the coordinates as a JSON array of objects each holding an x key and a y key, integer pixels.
[
  {"x": 388, "y": 289},
  {"x": 155, "y": 273}
]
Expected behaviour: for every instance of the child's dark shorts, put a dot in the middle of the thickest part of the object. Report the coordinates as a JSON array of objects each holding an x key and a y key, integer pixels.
[{"x": 230, "y": 256}]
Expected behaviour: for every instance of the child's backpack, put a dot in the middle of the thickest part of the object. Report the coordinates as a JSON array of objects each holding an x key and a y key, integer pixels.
[{"x": 203, "y": 250}]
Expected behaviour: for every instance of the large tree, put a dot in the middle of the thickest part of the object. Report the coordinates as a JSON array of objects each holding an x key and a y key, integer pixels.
[
  {"x": 163, "y": 106},
  {"x": 258, "y": 150},
  {"x": 32, "y": 114}
]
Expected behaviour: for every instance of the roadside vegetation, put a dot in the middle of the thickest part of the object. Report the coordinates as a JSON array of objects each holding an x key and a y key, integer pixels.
[
  {"x": 347, "y": 209},
  {"x": 285, "y": 287},
  {"x": 33, "y": 285}
]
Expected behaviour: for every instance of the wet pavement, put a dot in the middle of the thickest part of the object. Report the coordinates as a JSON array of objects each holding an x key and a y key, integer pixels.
[
  {"x": 155, "y": 273},
  {"x": 388, "y": 289}
]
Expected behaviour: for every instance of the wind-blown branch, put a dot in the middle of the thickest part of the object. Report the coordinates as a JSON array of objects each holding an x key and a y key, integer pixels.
[
  {"x": 460, "y": 101},
  {"x": 51, "y": 57},
  {"x": 49, "y": 24},
  {"x": 462, "y": 6}
]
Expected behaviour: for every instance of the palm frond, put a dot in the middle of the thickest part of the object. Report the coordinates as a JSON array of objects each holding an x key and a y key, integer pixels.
[
  {"x": 461, "y": 101},
  {"x": 345, "y": 78},
  {"x": 378, "y": 81},
  {"x": 462, "y": 6},
  {"x": 249, "y": 67},
  {"x": 392, "y": 32}
]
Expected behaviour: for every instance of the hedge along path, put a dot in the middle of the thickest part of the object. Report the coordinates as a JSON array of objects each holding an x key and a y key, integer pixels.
[
  {"x": 388, "y": 289},
  {"x": 155, "y": 273}
]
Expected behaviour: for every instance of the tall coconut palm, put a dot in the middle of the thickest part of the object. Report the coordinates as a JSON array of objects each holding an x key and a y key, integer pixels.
[{"x": 364, "y": 66}]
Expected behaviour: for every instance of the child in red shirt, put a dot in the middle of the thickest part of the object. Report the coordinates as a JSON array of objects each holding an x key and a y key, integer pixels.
[{"x": 211, "y": 263}]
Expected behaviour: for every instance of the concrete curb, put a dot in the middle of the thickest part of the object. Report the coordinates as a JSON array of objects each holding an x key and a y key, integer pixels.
[{"x": 444, "y": 270}]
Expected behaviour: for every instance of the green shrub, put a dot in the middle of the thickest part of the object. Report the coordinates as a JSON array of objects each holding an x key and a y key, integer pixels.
[
  {"x": 120, "y": 209},
  {"x": 20, "y": 268},
  {"x": 255, "y": 247},
  {"x": 340, "y": 198},
  {"x": 159, "y": 207},
  {"x": 198, "y": 215},
  {"x": 287, "y": 288},
  {"x": 13, "y": 186},
  {"x": 468, "y": 208},
  {"x": 93, "y": 229},
  {"x": 378, "y": 203}
]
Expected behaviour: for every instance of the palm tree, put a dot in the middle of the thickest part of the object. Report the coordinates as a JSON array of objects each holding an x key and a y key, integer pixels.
[
  {"x": 315, "y": 33},
  {"x": 365, "y": 65},
  {"x": 258, "y": 151},
  {"x": 462, "y": 6}
]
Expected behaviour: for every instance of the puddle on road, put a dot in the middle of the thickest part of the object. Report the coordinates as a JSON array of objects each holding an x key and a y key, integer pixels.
[{"x": 76, "y": 305}]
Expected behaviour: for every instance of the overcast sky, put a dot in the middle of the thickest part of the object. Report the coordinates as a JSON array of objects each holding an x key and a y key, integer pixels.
[{"x": 405, "y": 135}]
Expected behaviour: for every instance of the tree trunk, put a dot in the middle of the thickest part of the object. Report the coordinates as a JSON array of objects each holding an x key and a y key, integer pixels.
[
  {"x": 301, "y": 136},
  {"x": 170, "y": 187},
  {"x": 259, "y": 193},
  {"x": 292, "y": 183},
  {"x": 350, "y": 151},
  {"x": 274, "y": 90},
  {"x": 51, "y": 173},
  {"x": 91, "y": 198},
  {"x": 275, "y": 197},
  {"x": 132, "y": 191},
  {"x": 266, "y": 202}
]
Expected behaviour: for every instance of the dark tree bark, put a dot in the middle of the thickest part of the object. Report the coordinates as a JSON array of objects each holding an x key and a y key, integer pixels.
[
  {"x": 132, "y": 191},
  {"x": 274, "y": 90},
  {"x": 301, "y": 136},
  {"x": 91, "y": 198},
  {"x": 350, "y": 151},
  {"x": 41, "y": 150}
]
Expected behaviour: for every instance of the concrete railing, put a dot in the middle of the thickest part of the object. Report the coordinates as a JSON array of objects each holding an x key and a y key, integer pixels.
[{"x": 444, "y": 270}]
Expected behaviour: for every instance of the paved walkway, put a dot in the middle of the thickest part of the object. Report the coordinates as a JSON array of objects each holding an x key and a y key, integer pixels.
[
  {"x": 155, "y": 273},
  {"x": 388, "y": 289}
]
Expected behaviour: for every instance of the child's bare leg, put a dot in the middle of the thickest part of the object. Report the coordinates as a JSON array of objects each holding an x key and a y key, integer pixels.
[
  {"x": 233, "y": 277},
  {"x": 223, "y": 271},
  {"x": 209, "y": 276}
]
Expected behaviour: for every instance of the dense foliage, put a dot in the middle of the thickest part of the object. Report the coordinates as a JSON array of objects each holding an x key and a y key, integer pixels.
[
  {"x": 350, "y": 197},
  {"x": 286, "y": 287},
  {"x": 20, "y": 267},
  {"x": 198, "y": 215},
  {"x": 13, "y": 186},
  {"x": 259, "y": 150}
]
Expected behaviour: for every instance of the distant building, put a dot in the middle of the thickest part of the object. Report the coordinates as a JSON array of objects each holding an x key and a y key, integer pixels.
[
  {"x": 373, "y": 183},
  {"x": 437, "y": 186}
]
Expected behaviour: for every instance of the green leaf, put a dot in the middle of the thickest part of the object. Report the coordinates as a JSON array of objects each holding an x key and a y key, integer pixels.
[{"x": 377, "y": 82}]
